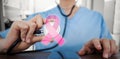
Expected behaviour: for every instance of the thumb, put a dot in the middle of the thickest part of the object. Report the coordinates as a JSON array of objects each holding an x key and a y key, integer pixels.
[
  {"x": 37, "y": 39},
  {"x": 39, "y": 21}
]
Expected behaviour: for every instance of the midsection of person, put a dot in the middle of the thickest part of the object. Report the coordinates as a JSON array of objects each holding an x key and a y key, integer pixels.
[{"x": 83, "y": 25}]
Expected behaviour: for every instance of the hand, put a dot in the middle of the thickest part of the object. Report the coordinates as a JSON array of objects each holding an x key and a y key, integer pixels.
[
  {"x": 107, "y": 47},
  {"x": 24, "y": 30}
]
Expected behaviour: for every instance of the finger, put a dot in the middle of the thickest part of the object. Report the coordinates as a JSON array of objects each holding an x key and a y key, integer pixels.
[
  {"x": 23, "y": 33},
  {"x": 82, "y": 51},
  {"x": 97, "y": 44},
  {"x": 106, "y": 48},
  {"x": 38, "y": 20},
  {"x": 113, "y": 47},
  {"x": 32, "y": 28},
  {"x": 37, "y": 39},
  {"x": 23, "y": 29},
  {"x": 85, "y": 49}
]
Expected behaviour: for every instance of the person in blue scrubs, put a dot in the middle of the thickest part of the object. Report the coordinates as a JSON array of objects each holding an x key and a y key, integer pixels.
[{"x": 85, "y": 30}]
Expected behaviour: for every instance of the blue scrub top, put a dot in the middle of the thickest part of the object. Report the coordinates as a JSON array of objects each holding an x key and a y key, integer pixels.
[{"x": 85, "y": 25}]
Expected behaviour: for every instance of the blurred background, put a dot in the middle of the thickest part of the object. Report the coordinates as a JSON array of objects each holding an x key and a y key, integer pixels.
[{"x": 14, "y": 10}]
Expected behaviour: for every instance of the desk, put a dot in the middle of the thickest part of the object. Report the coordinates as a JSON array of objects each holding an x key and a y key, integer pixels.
[
  {"x": 43, "y": 55},
  {"x": 97, "y": 56}
]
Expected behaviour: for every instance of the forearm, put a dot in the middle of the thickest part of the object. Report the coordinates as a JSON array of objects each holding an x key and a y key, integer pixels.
[{"x": 2, "y": 46}]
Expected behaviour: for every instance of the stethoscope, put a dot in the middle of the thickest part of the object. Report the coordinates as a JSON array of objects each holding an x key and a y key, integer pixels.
[{"x": 9, "y": 51}]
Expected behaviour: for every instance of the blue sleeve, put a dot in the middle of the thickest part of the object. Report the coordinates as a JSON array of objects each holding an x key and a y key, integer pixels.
[
  {"x": 105, "y": 33},
  {"x": 3, "y": 34}
]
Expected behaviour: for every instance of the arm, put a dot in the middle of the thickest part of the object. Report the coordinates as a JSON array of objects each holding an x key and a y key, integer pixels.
[{"x": 104, "y": 44}]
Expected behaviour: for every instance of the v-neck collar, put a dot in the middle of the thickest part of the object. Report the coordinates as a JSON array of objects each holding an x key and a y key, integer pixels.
[{"x": 69, "y": 18}]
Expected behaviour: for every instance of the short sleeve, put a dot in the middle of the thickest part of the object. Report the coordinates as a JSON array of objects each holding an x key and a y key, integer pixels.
[
  {"x": 105, "y": 33},
  {"x": 3, "y": 34}
]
